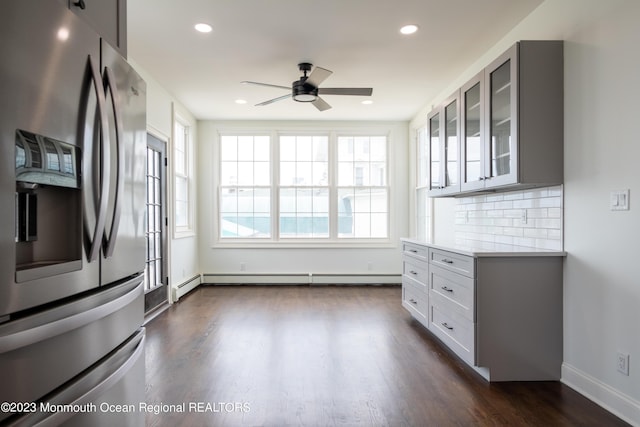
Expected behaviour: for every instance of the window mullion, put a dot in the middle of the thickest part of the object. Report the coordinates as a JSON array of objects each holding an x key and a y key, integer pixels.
[
  {"x": 333, "y": 186},
  {"x": 275, "y": 185}
]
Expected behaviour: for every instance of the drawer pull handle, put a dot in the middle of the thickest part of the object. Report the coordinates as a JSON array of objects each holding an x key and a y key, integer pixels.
[
  {"x": 415, "y": 273},
  {"x": 447, "y": 326},
  {"x": 448, "y": 261},
  {"x": 412, "y": 301},
  {"x": 413, "y": 250},
  {"x": 444, "y": 288}
]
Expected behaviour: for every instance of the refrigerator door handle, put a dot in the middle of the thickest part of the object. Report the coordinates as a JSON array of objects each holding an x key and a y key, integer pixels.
[
  {"x": 105, "y": 165},
  {"x": 111, "y": 89},
  {"x": 51, "y": 328}
]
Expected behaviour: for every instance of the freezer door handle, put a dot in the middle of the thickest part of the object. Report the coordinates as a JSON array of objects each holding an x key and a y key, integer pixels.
[
  {"x": 51, "y": 328},
  {"x": 107, "y": 377},
  {"x": 110, "y": 88},
  {"x": 96, "y": 235}
]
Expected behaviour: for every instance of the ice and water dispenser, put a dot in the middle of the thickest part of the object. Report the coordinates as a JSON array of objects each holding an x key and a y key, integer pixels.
[{"x": 48, "y": 203}]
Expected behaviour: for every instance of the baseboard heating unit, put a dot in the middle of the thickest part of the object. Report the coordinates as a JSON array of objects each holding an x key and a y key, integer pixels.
[
  {"x": 183, "y": 288},
  {"x": 301, "y": 279}
]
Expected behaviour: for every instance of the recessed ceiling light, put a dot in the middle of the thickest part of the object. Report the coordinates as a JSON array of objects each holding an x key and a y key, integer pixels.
[
  {"x": 367, "y": 102},
  {"x": 203, "y": 28},
  {"x": 241, "y": 101},
  {"x": 409, "y": 29}
]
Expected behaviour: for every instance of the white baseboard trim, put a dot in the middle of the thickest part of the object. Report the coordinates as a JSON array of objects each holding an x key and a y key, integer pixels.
[
  {"x": 183, "y": 288},
  {"x": 619, "y": 404},
  {"x": 302, "y": 279}
]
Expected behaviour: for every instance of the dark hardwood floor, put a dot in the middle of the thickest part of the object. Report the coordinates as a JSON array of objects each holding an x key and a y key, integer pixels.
[{"x": 328, "y": 356}]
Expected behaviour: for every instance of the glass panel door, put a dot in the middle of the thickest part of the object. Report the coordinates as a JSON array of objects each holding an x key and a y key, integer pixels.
[
  {"x": 501, "y": 117},
  {"x": 155, "y": 273}
]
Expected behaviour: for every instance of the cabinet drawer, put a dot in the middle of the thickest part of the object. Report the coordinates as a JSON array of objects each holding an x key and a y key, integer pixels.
[
  {"x": 458, "y": 290},
  {"x": 416, "y": 271},
  {"x": 455, "y": 331},
  {"x": 417, "y": 251},
  {"x": 415, "y": 301},
  {"x": 460, "y": 264}
]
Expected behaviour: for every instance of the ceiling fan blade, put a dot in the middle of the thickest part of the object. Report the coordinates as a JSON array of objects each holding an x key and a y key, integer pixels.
[
  {"x": 318, "y": 75},
  {"x": 271, "y": 101},
  {"x": 358, "y": 91},
  {"x": 321, "y": 104},
  {"x": 246, "y": 82}
]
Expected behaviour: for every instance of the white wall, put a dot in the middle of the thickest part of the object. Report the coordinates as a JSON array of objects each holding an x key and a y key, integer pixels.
[
  {"x": 601, "y": 281},
  {"x": 183, "y": 252},
  {"x": 217, "y": 259}
]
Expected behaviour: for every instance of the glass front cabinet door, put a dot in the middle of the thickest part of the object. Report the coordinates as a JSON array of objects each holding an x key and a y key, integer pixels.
[
  {"x": 472, "y": 174},
  {"x": 501, "y": 147},
  {"x": 444, "y": 148}
]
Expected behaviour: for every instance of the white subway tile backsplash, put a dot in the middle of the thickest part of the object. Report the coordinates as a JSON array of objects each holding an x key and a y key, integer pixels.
[{"x": 531, "y": 218}]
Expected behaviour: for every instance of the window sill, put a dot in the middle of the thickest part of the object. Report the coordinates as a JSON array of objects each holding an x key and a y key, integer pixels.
[
  {"x": 183, "y": 234},
  {"x": 329, "y": 244}
]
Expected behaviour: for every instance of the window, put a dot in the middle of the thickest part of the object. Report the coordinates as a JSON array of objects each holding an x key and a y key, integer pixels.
[
  {"x": 303, "y": 187},
  {"x": 423, "y": 203},
  {"x": 362, "y": 191},
  {"x": 245, "y": 187},
  {"x": 182, "y": 176}
]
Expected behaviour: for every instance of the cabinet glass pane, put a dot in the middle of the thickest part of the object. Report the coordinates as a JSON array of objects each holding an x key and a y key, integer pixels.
[
  {"x": 451, "y": 143},
  {"x": 472, "y": 134},
  {"x": 434, "y": 142},
  {"x": 501, "y": 120}
]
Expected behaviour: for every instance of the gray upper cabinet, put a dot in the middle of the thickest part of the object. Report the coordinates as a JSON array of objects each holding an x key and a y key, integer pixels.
[
  {"x": 107, "y": 17},
  {"x": 511, "y": 122},
  {"x": 443, "y": 129}
]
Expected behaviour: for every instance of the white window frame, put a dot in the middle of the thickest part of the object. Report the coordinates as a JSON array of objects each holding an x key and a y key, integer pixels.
[
  {"x": 180, "y": 121},
  {"x": 333, "y": 131}
]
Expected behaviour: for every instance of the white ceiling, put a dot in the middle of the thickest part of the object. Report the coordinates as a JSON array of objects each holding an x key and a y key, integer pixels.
[{"x": 359, "y": 40}]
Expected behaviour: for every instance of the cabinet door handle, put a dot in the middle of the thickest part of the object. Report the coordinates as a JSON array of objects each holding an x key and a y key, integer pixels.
[
  {"x": 481, "y": 178},
  {"x": 81, "y": 4},
  {"x": 448, "y": 261},
  {"x": 412, "y": 301},
  {"x": 415, "y": 273},
  {"x": 413, "y": 251},
  {"x": 444, "y": 288},
  {"x": 447, "y": 326}
]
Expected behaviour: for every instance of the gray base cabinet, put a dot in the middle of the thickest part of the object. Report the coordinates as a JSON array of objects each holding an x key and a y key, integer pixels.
[{"x": 499, "y": 312}]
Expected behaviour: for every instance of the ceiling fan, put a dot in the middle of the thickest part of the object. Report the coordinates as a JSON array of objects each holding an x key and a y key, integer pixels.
[{"x": 307, "y": 88}]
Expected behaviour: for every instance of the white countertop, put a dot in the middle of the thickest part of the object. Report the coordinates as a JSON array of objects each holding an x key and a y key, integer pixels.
[{"x": 476, "y": 248}]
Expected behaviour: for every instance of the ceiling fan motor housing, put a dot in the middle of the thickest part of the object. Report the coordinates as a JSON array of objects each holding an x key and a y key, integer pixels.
[{"x": 303, "y": 92}]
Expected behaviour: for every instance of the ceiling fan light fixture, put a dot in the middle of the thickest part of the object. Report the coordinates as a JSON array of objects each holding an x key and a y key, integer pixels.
[
  {"x": 305, "y": 97},
  {"x": 303, "y": 92},
  {"x": 409, "y": 29}
]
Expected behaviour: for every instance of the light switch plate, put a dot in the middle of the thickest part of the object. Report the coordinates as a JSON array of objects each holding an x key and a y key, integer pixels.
[{"x": 619, "y": 200}]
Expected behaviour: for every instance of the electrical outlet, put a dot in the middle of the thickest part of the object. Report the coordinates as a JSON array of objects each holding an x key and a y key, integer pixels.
[
  {"x": 524, "y": 216},
  {"x": 243, "y": 266},
  {"x": 369, "y": 266},
  {"x": 623, "y": 363}
]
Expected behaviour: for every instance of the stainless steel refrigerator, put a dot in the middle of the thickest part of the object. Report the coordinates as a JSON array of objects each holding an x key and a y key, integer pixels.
[{"x": 72, "y": 227}]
